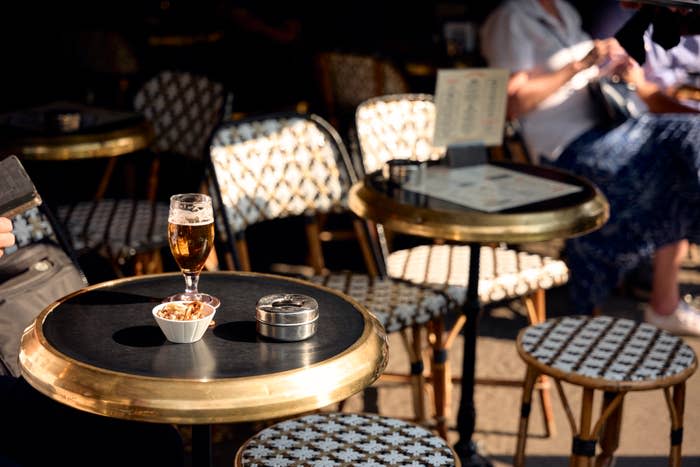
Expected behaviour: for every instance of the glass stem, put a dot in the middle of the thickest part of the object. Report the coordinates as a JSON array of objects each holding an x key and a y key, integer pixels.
[{"x": 191, "y": 281}]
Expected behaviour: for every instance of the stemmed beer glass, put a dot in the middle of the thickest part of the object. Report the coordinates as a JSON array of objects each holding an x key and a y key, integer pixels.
[{"x": 191, "y": 238}]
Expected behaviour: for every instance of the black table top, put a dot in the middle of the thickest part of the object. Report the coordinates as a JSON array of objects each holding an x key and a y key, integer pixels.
[
  {"x": 401, "y": 210},
  {"x": 41, "y": 121},
  {"x": 113, "y": 328},
  {"x": 100, "y": 350}
]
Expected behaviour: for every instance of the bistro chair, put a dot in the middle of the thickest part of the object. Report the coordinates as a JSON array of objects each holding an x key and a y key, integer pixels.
[
  {"x": 278, "y": 166},
  {"x": 612, "y": 355},
  {"x": 401, "y": 126},
  {"x": 347, "y": 79},
  {"x": 333, "y": 438},
  {"x": 183, "y": 109}
]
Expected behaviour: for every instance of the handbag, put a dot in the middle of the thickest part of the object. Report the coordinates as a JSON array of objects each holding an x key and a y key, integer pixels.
[
  {"x": 616, "y": 99},
  {"x": 31, "y": 278}
]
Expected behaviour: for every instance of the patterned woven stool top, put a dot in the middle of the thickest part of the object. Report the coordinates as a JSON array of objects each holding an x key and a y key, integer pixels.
[
  {"x": 396, "y": 304},
  {"x": 503, "y": 273},
  {"x": 607, "y": 351},
  {"x": 345, "y": 439}
]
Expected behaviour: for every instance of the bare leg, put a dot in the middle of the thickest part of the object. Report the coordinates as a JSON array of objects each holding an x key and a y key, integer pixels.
[{"x": 667, "y": 263}]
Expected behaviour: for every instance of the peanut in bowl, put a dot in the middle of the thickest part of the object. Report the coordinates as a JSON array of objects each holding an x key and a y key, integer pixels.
[{"x": 183, "y": 322}]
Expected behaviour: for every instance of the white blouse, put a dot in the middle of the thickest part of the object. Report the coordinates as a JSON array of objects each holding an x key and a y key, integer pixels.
[{"x": 521, "y": 36}]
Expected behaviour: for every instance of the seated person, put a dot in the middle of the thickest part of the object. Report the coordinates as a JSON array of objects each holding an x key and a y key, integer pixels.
[
  {"x": 39, "y": 431},
  {"x": 647, "y": 167}
]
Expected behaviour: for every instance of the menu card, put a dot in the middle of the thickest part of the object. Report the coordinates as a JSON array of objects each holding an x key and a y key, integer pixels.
[
  {"x": 487, "y": 187},
  {"x": 470, "y": 106}
]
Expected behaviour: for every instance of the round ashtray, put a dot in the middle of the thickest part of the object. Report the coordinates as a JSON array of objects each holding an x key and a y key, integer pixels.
[
  {"x": 286, "y": 317},
  {"x": 400, "y": 171}
]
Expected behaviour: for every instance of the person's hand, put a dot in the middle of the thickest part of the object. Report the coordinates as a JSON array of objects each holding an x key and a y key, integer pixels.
[
  {"x": 6, "y": 236},
  {"x": 630, "y": 72},
  {"x": 603, "y": 53}
]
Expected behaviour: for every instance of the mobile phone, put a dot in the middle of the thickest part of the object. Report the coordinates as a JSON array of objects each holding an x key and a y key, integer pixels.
[{"x": 17, "y": 191}]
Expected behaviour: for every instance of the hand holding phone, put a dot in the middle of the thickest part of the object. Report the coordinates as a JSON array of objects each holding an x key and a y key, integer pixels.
[{"x": 17, "y": 191}]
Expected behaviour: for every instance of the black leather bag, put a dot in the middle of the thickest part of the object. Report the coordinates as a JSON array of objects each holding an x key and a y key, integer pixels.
[
  {"x": 616, "y": 99},
  {"x": 30, "y": 279}
]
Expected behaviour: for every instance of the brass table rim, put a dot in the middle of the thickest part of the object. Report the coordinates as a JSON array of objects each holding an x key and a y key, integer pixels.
[
  {"x": 85, "y": 146},
  {"x": 601, "y": 383},
  {"x": 477, "y": 226},
  {"x": 201, "y": 401}
]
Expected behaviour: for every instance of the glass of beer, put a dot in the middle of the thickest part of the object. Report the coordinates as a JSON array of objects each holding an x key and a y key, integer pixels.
[{"x": 191, "y": 238}]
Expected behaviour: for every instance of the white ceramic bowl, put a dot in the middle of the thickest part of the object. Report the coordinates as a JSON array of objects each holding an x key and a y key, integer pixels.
[{"x": 184, "y": 331}]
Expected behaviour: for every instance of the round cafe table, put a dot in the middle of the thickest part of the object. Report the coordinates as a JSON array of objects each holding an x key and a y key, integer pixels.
[
  {"x": 100, "y": 350},
  {"x": 378, "y": 200},
  {"x": 70, "y": 131}
]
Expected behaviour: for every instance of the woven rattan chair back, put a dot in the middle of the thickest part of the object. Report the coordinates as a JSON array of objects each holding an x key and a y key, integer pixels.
[
  {"x": 183, "y": 108},
  {"x": 398, "y": 126}
]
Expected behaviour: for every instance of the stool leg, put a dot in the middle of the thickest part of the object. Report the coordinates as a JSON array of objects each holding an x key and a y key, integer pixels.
[
  {"x": 442, "y": 380},
  {"x": 537, "y": 313},
  {"x": 528, "y": 385},
  {"x": 413, "y": 347},
  {"x": 610, "y": 436},
  {"x": 578, "y": 457},
  {"x": 676, "y": 406}
]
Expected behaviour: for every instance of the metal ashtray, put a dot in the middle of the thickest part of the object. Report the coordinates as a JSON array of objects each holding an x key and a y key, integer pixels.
[
  {"x": 286, "y": 317},
  {"x": 400, "y": 171}
]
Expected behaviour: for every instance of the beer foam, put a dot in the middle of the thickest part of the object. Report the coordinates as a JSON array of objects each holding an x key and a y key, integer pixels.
[{"x": 191, "y": 218}]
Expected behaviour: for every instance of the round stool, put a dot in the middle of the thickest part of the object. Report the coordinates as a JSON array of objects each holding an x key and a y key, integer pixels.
[
  {"x": 345, "y": 439},
  {"x": 614, "y": 356}
]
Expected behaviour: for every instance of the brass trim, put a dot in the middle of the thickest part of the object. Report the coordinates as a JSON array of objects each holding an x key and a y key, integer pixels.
[
  {"x": 85, "y": 146},
  {"x": 199, "y": 401},
  {"x": 477, "y": 226}
]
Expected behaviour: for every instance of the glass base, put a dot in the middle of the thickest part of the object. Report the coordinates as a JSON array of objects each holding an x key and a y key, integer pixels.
[{"x": 202, "y": 297}]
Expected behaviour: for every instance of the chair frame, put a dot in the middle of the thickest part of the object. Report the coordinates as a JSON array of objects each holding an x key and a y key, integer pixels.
[
  {"x": 237, "y": 255},
  {"x": 442, "y": 339}
]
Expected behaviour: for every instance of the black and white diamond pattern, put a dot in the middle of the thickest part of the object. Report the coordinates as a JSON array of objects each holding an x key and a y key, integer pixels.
[
  {"x": 183, "y": 108},
  {"x": 277, "y": 167},
  {"x": 344, "y": 439},
  {"x": 397, "y": 305},
  {"x": 398, "y": 126},
  {"x": 503, "y": 273},
  {"x": 124, "y": 226},
  {"x": 613, "y": 349}
]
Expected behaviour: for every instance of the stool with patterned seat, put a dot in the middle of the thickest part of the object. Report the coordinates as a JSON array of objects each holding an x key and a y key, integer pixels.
[
  {"x": 612, "y": 355},
  {"x": 345, "y": 439}
]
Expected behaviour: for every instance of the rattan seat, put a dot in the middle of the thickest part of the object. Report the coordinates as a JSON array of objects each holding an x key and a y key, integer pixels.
[
  {"x": 345, "y": 439},
  {"x": 504, "y": 273},
  {"x": 613, "y": 355}
]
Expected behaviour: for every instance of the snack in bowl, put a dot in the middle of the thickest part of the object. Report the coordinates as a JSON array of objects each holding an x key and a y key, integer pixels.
[{"x": 183, "y": 322}]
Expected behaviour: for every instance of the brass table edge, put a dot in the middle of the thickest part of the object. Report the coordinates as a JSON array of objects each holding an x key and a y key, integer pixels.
[
  {"x": 70, "y": 147},
  {"x": 477, "y": 226},
  {"x": 192, "y": 401}
]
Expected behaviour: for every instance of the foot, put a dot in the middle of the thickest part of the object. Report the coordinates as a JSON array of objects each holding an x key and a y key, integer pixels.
[
  {"x": 469, "y": 455},
  {"x": 684, "y": 321}
]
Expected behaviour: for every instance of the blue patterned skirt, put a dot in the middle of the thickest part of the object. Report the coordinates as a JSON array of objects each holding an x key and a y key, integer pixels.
[{"x": 649, "y": 169}]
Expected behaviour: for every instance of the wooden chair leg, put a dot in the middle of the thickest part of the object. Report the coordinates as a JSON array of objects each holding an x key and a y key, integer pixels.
[
  {"x": 442, "y": 379},
  {"x": 413, "y": 347},
  {"x": 676, "y": 407},
  {"x": 581, "y": 451},
  {"x": 530, "y": 378},
  {"x": 536, "y": 312},
  {"x": 610, "y": 434}
]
